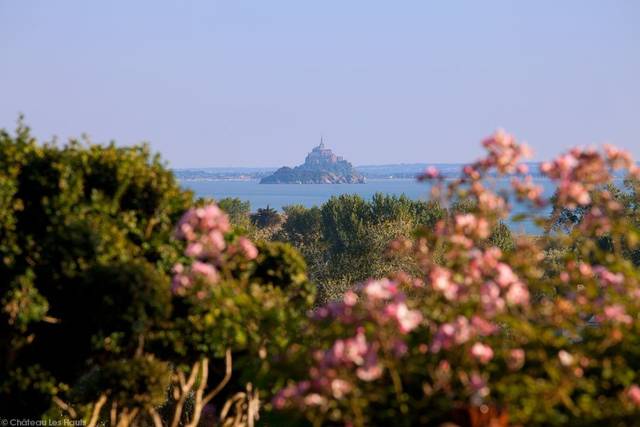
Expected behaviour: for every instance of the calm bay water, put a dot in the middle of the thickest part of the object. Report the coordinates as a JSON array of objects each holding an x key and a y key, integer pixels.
[{"x": 280, "y": 195}]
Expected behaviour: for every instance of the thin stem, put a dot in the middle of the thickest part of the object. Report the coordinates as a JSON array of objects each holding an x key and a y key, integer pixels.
[{"x": 97, "y": 407}]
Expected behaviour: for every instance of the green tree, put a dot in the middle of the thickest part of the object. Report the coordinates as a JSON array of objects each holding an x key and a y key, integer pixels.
[
  {"x": 239, "y": 211},
  {"x": 266, "y": 217},
  {"x": 346, "y": 240},
  {"x": 85, "y": 235},
  {"x": 91, "y": 323}
]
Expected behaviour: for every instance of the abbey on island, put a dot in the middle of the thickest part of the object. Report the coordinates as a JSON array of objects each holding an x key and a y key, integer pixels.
[{"x": 321, "y": 166}]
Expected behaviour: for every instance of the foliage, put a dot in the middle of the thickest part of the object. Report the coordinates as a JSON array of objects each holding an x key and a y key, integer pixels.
[
  {"x": 239, "y": 211},
  {"x": 346, "y": 240},
  {"x": 111, "y": 314},
  {"x": 85, "y": 235},
  {"x": 266, "y": 217}
]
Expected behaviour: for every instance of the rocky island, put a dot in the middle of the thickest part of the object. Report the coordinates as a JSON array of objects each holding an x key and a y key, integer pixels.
[{"x": 320, "y": 167}]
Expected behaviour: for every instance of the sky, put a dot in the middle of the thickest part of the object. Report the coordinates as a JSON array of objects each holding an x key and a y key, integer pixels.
[{"x": 256, "y": 83}]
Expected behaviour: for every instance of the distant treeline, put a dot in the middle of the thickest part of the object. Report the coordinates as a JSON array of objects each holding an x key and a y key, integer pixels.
[
  {"x": 347, "y": 239},
  {"x": 392, "y": 171}
]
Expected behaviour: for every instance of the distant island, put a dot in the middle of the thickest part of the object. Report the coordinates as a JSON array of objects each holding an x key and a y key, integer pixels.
[{"x": 320, "y": 167}]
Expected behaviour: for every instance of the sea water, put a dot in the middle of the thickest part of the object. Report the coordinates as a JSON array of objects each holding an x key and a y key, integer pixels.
[{"x": 279, "y": 195}]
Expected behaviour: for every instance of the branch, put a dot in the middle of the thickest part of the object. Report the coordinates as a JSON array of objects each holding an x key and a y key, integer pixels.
[
  {"x": 114, "y": 413},
  {"x": 227, "y": 376},
  {"x": 95, "y": 414},
  {"x": 65, "y": 407},
  {"x": 198, "y": 405},
  {"x": 185, "y": 387},
  {"x": 157, "y": 421},
  {"x": 227, "y": 405}
]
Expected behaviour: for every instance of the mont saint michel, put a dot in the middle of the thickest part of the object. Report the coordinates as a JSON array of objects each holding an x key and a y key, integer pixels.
[{"x": 321, "y": 166}]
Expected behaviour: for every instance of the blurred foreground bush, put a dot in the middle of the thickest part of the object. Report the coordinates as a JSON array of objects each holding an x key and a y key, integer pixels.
[
  {"x": 544, "y": 332},
  {"x": 106, "y": 316}
]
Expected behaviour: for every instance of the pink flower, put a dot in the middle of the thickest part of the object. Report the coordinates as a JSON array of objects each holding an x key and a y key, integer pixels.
[
  {"x": 315, "y": 399},
  {"x": 607, "y": 277},
  {"x": 215, "y": 241},
  {"x": 407, "y": 319},
  {"x": 634, "y": 394},
  {"x": 518, "y": 294},
  {"x": 504, "y": 152},
  {"x": 482, "y": 352},
  {"x": 211, "y": 216},
  {"x": 380, "y": 289},
  {"x": 194, "y": 249},
  {"x": 546, "y": 168},
  {"x": 526, "y": 189},
  {"x": 369, "y": 372},
  {"x": 430, "y": 173},
  {"x": 585, "y": 269},
  {"x": 351, "y": 350},
  {"x": 478, "y": 387},
  {"x": 470, "y": 225},
  {"x": 247, "y": 248},
  {"x": 399, "y": 347},
  {"x": 618, "y": 159},
  {"x": 490, "y": 298},
  {"x": 441, "y": 281},
  {"x": 456, "y": 332},
  {"x": 339, "y": 388},
  {"x": 202, "y": 221},
  {"x": 179, "y": 283},
  {"x": 350, "y": 298},
  {"x": 566, "y": 358},
  {"x": 617, "y": 313},
  {"x": 506, "y": 276},
  {"x": 488, "y": 201},
  {"x": 185, "y": 231},
  {"x": 471, "y": 172},
  {"x": 577, "y": 173},
  {"x": 515, "y": 360},
  {"x": 577, "y": 193},
  {"x": 483, "y": 327},
  {"x": 206, "y": 271}
]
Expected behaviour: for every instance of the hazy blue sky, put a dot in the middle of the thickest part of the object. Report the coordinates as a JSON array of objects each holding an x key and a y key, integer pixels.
[{"x": 255, "y": 83}]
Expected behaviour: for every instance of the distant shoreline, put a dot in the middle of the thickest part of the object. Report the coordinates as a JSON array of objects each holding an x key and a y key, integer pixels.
[{"x": 402, "y": 171}]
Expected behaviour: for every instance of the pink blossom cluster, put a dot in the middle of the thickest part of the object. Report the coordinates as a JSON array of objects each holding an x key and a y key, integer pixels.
[
  {"x": 469, "y": 292},
  {"x": 346, "y": 355},
  {"x": 355, "y": 352},
  {"x": 378, "y": 303},
  {"x": 633, "y": 393},
  {"x": 617, "y": 313},
  {"x": 582, "y": 170},
  {"x": 607, "y": 277},
  {"x": 472, "y": 226},
  {"x": 504, "y": 153},
  {"x": 525, "y": 189},
  {"x": 484, "y": 275},
  {"x": 462, "y": 330},
  {"x": 204, "y": 231},
  {"x": 430, "y": 172}
]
